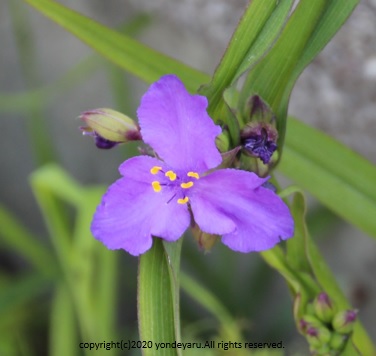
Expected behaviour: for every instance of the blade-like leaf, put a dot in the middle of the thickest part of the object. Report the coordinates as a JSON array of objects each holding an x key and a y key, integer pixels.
[
  {"x": 173, "y": 253},
  {"x": 309, "y": 29},
  {"x": 334, "y": 16},
  {"x": 19, "y": 239},
  {"x": 63, "y": 327},
  {"x": 80, "y": 255},
  {"x": 229, "y": 326},
  {"x": 21, "y": 291},
  {"x": 296, "y": 245},
  {"x": 258, "y": 29},
  {"x": 335, "y": 175},
  {"x": 140, "y": 60},
  {"x": 156, "y": 300}
]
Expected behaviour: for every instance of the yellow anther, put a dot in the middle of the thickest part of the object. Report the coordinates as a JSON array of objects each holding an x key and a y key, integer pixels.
[
  {"x": 156, "y": 186},
  {"x": 193, "y": 174},
  {"x": 183, "y": 201},
  {"x": 186, "y": 185},
  {"x": 155, "y": 169},
  {"x": 171, "y": 175}
]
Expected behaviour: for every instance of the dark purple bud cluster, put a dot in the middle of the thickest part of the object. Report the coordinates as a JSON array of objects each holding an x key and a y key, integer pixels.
[
  {"x": 259, "y": 140},
  {"x": 260, "y": 145}
]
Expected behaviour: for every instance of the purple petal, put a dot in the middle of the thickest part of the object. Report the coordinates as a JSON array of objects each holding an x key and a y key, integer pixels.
[
  {"x": 232, "y": 203},
  {"x": 176, "y": 125},
  {"x": 131, "y": 212},
  {"x": 138, "y": 168}
]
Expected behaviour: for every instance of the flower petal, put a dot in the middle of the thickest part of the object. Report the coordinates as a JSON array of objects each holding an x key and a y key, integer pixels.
[
  {"x": 138, "y": 168},
  {"x": 176, "y": 125},
  {"x": 131, "y": 212},
  {"x": 232, "y": 203}
]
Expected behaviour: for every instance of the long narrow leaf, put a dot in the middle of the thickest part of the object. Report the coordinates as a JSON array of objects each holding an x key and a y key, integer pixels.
[
  {"x": 335, "y": 175},
  {"x": 309, "y": 29},
  {"x": 155, "y": 300},
  {"x": 142, "y": 61},
  {"x": 255, "y": 34},
  {"x": 211, "y": 303},
  {"x": 63, "y": 327},
  {"x": 19, "y": 239}
]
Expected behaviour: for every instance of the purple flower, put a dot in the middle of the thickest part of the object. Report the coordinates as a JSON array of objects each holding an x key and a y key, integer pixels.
[
  {"x": 259, "y": 140},
  {"x": 160, "y": 196}
]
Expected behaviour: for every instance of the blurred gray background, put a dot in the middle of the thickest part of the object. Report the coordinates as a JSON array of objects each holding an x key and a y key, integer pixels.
[{"x": 336, "y": 94}]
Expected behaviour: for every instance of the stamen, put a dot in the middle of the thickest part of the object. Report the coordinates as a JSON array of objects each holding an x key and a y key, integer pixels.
[
  {"x": 186, "y": 185},
  {"x": 171, "y": 175},
  {"x": 156, "y": 186},
  {"x": 155, "y": 169},
  {"x": 193, "y": 174},
  {"x": 183, "y": 201}
]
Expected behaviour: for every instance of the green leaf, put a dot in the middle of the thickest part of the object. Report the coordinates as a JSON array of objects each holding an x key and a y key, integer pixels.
[
  {"x": 21, "y": 291},
  {"x": 333, "y": 17},
  {"x": 18, "y": 238},
  {"x": 63, "y": 328},
  {"x": 41, "y": 141},
  {"x": 338, "y": 177},
  {"x": 48, "y": 183},
  {"x": 230, "y": 328},
  {"x": 140, "y": 60},
  {"x": 269, "y": 33},
  {"x": 173, "y": 253},
  {"x": 309, "y": 29},
  {"x": 295, "y": 246},
  {"x": 156, "y": 300},
  {"x": 36, "y": 98},
  {"x": 89, "y": 269},
  {"x": 259, "y": 27}
]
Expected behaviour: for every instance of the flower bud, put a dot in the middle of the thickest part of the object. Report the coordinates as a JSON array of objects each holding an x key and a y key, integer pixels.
[
  {"x": 205, "y": 241},
  {"x": 337, "y": 341},
  {"x": 310, "y": 321},
  {"x": 259, "y": 111},
  {"x": 323, "y": 307},
  {"x": 317, "y": 336},
  {"x": 109, "y": 127},
  {"x": 343, "y": 322}
]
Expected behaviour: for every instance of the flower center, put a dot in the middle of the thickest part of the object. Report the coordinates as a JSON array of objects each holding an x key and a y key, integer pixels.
[{"x": 180, "y": 184}]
